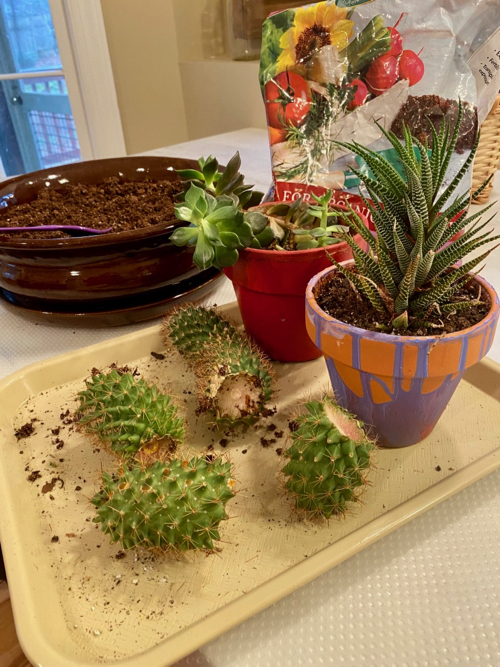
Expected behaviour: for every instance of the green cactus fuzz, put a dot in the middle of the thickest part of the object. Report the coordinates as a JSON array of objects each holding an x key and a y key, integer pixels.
[
  {"x": 131, "y": 415},
  {"x": 166, "y": 507},
  {"x": 328, "y": 459},
  {"x": 234, "y": 377}
]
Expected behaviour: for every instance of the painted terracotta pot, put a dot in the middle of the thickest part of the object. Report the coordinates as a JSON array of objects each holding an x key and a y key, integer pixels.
[
  {"x": 399, "y": 385},
  {"x": 270, "y": 287}
]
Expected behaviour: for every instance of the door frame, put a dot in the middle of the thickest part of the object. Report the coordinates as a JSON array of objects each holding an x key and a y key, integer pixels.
[{"x": 83, "y": 48}]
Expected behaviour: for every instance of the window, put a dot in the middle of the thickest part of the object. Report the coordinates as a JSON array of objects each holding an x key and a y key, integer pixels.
[{"x": 45, "y": 118}]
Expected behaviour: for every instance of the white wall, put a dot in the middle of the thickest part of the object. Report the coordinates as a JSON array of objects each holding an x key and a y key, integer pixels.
[
  {"x": 143, "y": 49},
  {"x": 174, "y": 78}
]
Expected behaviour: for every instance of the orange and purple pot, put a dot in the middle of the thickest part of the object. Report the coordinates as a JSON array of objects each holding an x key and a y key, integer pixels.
[{"x": 398, "y": 385}]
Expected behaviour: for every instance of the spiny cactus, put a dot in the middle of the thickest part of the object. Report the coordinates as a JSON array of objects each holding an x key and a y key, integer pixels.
[
  {"x": 131, "y": 415},
  {"x": 328, "y": 459},
  {"x": 233, "y": 376},
  {"x": 165, "y": 507}
]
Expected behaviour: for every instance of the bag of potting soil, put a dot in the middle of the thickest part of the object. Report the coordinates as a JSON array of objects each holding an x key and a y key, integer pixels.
[{"x": 330, "y": 71}]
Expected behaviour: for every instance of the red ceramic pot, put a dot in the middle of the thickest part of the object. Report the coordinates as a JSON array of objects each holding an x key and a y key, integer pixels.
[{"x": 270, "y": 286}]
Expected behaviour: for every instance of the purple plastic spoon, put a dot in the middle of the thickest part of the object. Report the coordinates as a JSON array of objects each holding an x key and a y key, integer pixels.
[{"x": 73, "y": 230}]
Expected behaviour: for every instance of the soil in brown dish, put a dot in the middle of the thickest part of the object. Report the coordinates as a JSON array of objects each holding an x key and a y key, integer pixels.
[
  {"x": 337, "y": 298},
  {"x": 112, "y": 204}
]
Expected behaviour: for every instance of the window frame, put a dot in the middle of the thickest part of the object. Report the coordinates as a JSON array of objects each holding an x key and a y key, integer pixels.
[{"x": 83, "y": 48}]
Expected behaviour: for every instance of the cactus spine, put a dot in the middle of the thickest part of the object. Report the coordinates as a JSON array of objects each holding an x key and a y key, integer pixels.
[
  {"x": 131, "y": 415},
  {"x": 166, "y": 507},
  {"x": 234, "y": 378},
  {"x": 328, "y": 459}
]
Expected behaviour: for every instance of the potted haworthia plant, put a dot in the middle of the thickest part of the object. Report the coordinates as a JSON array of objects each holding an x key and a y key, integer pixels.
[
  {"x": 401, "y": 324},
  {"x": 270, "y": 252}
]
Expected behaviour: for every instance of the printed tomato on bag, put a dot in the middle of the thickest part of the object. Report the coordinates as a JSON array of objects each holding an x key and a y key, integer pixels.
[{"x": 347, "y": 70}]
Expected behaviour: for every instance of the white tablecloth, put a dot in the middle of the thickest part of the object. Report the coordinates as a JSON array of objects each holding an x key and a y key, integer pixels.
[{"x": 429, "y": 594}]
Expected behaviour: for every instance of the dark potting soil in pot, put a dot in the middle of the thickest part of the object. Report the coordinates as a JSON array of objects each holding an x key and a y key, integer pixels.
[
  {"x": 337, "y": 298},
  {"x": 121, "y": 206}
]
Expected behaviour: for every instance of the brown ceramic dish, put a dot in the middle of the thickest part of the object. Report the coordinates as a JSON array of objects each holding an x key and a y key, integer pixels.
[
  {"x": 53, "y": 273},
  {"x": 194, "y": 286}
]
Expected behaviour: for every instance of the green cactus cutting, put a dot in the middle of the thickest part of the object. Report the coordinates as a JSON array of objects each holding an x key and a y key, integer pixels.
[
  {"x": 130, "y": 415},
  {"x": 234, "y": 378},
  {"x": 327, "y": 461},
  {"x": 172, "y": 507},
  {"x": 409, "y": 270}
]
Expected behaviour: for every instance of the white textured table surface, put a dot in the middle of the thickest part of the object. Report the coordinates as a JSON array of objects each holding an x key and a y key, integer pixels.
[{"x": 429, "y": 594}]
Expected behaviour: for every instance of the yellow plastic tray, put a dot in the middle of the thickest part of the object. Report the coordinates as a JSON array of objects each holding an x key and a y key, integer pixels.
[{"x": 76, "y": 604}]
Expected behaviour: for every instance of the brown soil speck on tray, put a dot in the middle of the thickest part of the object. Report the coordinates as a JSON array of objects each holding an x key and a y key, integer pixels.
[
  {"x": 25, "y": 430},
  {"x": 49, "y": 486},
  {"x": 120, "y": 555},
  {"x": 56, "y": 431},
  {"x": 279, "y": 451},
  {"x": 223, "y": 442},
  {"x": 293, "y": 426},
  {"x": 265, "y": 442},
  {"x": 65, "y": 417},
  {"x": 338, "y": 299},
  {"x": 121, "y": 206},
  {"x": 244, "y": 451},
  {"x": 278, "y": 434},
  {"x": 122, "y": 370},
  {"x": 78, "y": 488},
  {"x": 33, "y": 476},
  {"x": 55, "y": 539},
  {"x": 437, "y": 468},
  {"x": 158, "y": 355}
]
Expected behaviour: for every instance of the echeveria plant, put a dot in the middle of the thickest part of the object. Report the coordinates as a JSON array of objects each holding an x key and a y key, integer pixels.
[
  {"x": 219, "y": 228},
  {"x": 229, "y": 181}
]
